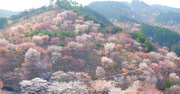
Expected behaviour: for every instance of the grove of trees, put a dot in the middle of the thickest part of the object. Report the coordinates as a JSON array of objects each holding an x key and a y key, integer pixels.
[
  {"x": 163, "y": 36},
  {"x": 3, "y": 22}
]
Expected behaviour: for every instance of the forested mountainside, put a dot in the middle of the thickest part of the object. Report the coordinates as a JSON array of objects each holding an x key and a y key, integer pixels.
[
  {"x": 69, "y": 49},
  {"x": 138, "y": 11},
  {"x": 162, "y": 36}
]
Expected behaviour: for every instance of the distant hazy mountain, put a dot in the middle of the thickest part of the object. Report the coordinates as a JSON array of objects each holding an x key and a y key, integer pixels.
[
  {"x": 112, "y": 9},
  {"x": 6, "y": 13},
  {"x": 162, "y": 7},
  {"x": 137, "y": 11}
]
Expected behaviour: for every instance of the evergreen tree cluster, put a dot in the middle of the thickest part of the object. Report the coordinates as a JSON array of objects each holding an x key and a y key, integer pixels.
[
  {"x": 162, "y": 36},
  {"x": 141, "y": 38}
]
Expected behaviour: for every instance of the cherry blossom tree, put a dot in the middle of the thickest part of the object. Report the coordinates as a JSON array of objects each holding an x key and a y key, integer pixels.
[
  {"x": 58, "y": 20},
  {"x": 83, "y": 77},
  {"x": 25, "y": 46},
  {"x": 45, "y": 39},
  {"x": 74, "y": 87},
  {"x": 75, "y": 45},
  {"x": 171, "y": 56},
  {"x": 38, "y": 40},
  {"x": 61, "y": 76},
  {"x": 173, "y": 90},
  {"x": 107, "y": 62},
  {"x": 32, "y": 55},
  {"x": 149, "y": 89},
  {"x": 168, "y": 66},
  {"x": 54, "y": 53},
  {"x": 99, "y": 37},
  {"x": 19, "y": 28},
  {"x": 55, "y": 41},
  {"x": 116, "y": 91},
  {"x": 130, "y": 91},
  {"x": 42, "y": 26},
  {"x": 156, "y": 56},
  {"x": 4, "y": 66},
  {"x": 36, "y": 85},
  {"x": 109, "y": 47},
  {"x": 71, "y": 63},
  {"x": 3, "y": 42},
  {"x": 100, "y": 72},
  {"x": 81, "y": 28},
  {"x": 12, "y": 79},
  {"x": 66, "y": 51},
  {"x": 84, "y": 38},
  {"x": 109, "y": 28},
  {"x": 102, "y": 86},
  {"x": 174, "y": 78},
  {"x": 156, "y": 67},
  {"x": 33, "y": 67},
  {"x": 28, "y": 26}
]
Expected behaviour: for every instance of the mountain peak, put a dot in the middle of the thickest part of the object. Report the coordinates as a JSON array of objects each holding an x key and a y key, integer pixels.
[
  {"x": 138, "y": 2},
  {"x": 135, "y": 0}
]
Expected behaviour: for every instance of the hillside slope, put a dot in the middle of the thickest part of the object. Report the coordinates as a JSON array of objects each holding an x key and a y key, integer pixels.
[{"x": 68, "y": 49}]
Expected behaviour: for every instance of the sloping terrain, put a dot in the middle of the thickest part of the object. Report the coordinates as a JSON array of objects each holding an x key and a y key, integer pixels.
[{"x": 64, "y": 50}]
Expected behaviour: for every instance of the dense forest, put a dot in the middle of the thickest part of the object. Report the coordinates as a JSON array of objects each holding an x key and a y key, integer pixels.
[
  {"x": 163, "y": 36},
  {"x": 3, "y": 22},
  {"x": 141, "y": 38}
]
